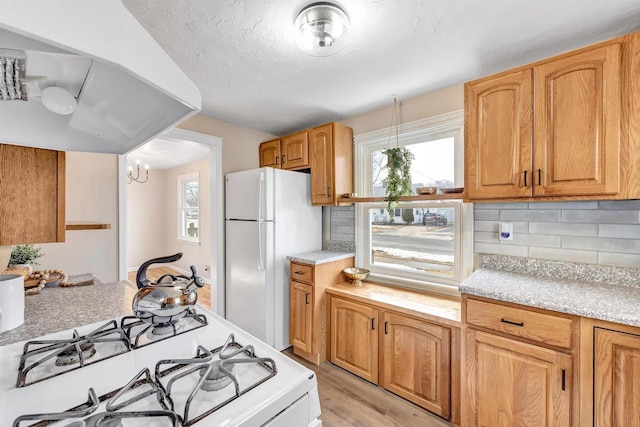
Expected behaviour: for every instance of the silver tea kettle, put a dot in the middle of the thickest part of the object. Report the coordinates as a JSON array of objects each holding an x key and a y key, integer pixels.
[{"x": 169, "y": 298}]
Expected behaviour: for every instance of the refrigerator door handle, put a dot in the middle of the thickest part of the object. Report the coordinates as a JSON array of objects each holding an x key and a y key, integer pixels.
[
  {"x": 260, "y": 185},
  {"x": 260, "y": 258}
]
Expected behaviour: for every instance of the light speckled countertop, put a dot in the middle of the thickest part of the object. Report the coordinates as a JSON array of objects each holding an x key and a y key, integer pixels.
[
  {"x": 58, "y": 308},
  {"x": 614, "y": 303},
  {"x": 320, "y": 257}
]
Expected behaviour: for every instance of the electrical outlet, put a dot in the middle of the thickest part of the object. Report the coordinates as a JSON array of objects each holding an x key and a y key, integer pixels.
[{"x": 207, "y": 267}]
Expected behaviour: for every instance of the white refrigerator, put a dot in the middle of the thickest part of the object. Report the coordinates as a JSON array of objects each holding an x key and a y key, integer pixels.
[{"x": 268, "y": 216}]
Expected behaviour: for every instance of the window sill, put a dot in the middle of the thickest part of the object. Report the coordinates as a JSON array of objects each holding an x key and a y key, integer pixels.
[
  {"x": 416, "y": 198},
  {"x": 189, "y": 242},
  {"x": 450, "y": 290}
]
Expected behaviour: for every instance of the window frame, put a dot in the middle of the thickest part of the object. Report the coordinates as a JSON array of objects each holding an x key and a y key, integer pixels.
[
  {"x": 188, "y": 177},
  {"x": 438, "y": 127}
]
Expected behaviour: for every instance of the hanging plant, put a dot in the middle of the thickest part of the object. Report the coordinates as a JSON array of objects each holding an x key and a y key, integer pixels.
[{"x": 399, "y": 176}]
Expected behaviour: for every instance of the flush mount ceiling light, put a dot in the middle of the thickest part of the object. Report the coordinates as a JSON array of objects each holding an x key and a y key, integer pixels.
[{"x": 321, "y": 28}]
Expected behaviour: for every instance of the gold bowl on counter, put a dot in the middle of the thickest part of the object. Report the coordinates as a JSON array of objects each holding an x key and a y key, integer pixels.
[{"x": 356, "y": 275}]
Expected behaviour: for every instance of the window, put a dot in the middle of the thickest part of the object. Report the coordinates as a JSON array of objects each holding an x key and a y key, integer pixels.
[
  {"x": 188, "y": 207},
  {"x": 427, "y": 244}
]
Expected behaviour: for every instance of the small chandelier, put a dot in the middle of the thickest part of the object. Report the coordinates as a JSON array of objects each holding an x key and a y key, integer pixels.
[
  {"x": 321, "y": 28},
  {"x": 131, "y": 178}
]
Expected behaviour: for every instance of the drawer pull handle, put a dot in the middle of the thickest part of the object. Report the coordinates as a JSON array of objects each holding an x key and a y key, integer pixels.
[
  {"x": 525, "y": 178},
  {"x": 306, "y": 298},
  {"x": 373, "y": 323},
  {"x": 509, "y": 322},
  {"x": 564, "y": 379},
  {"x": 539, "y": 178},
  {"x": 299, "y": 272},
  {"x": 386, "y": 324}
]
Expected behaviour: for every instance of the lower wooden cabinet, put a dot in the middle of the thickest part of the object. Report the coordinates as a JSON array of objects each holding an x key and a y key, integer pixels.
[
  {"x": 416, "y": 362},
  {"x": 616, "y": 379},
  {"x": 511, "y": 383},
  {"x": 406, "y": 355},
  {"x": 301, "y": 321},
  {"x": 354, "y": 338}
]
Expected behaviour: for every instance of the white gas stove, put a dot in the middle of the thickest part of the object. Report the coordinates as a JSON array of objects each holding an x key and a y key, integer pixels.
[{"x": 210, "y": 373}]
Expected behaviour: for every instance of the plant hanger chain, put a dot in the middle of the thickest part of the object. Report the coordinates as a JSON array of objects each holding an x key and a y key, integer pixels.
[{"x": 396, "y": 119}]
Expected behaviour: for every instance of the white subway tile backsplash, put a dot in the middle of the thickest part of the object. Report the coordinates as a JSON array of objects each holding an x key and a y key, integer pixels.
[
  {"x": 490, "y": 248},
  {"x": 604, "y": 244},
  {"x": 620, "y": 204},
  {"x": 530, "y": 215},
  {"x": 487, "y": 214},
  {"x": 518, "y": 227},
  {"x": 622, "y": 231},
  {"x": 514, "y": 205},
  {"x": 343, "y": 214},
  {"x": 563, "y": 229},
  {"x": 343, "y": 221},
  {"x": 571, "y": 255},
  {"x": 563, "y": 205},
  {"x": 343, "y": 237},
  {"x": 485, "y": 237},
  {"x": 344, "y": 230},
  {"x": 619, "y": 260},
  {"x": 533, "y": 240},
  {"x": 602, "y": 216},
  {"x": 602, "y": 232}
]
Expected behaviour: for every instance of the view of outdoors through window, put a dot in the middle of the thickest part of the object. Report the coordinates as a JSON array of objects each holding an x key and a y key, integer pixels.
[
  {"x": 190, "y": 199},
  {"x": 419, "y": 239}
]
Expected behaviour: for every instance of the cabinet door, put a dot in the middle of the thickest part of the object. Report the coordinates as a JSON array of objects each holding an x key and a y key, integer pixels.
[
  {"x": 301, "y": 320},
  {"x": 321, "y": 147},
  {"x": 270, "y": 154},
  {"x": 510, "y": 383},
  {"x": 577, "y": 102},
  {"x": 416, "y": 362},
  {"x": 616, "y": 379},
  {"x": 32, "y": 195},
  {"x": 498, "y": 136},
  {"x": 295, "y": 151},
  {"x": 354, "y": 338}
]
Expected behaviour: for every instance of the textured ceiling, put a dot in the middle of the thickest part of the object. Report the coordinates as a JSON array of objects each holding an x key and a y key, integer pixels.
[{"x": 242, "y": 54}]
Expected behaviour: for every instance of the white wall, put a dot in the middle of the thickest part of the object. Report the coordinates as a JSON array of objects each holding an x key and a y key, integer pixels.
[
  {"x": 146, "y": 219},
  {"x": 152, "y": 219},
  {"x": 91, "y": 196},
  {"x": 240, "y": 149}
]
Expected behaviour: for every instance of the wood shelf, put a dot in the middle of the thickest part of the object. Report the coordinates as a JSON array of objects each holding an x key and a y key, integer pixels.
[
  {"x": 87, "y": 226},
  {"x": 416, "y": 198}
]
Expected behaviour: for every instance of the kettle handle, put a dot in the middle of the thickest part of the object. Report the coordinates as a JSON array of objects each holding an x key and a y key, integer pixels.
[{"x": 141, "y": 275}]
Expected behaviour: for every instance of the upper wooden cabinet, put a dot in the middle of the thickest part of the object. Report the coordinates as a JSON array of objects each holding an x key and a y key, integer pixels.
[
  {"x": 295, "y": 151},
  {"x": 562, "y": 127},
  {"x": 331, "y": 148},
  {"x": 32, "y": 195},
  {"x": 270, "y": 154}
]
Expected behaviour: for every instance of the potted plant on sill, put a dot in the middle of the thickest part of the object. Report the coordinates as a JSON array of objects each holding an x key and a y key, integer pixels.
[
  {"x": 25, "y": 256},
  {"x": 398, "y": 176}
]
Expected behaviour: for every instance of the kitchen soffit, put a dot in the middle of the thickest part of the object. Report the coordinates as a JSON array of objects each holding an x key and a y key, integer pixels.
[{"x": 243, "y": 57}]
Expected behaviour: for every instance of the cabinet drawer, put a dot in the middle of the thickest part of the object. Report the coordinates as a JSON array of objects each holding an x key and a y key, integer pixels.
[
  {"x": 543, "y": 328},
  {"x": 302, "y": 273}
]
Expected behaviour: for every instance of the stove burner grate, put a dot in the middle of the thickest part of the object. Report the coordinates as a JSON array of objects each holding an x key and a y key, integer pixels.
[
  {"x": 137, "y": 330},
  {"x": 71, "y": 355},
  {"x": 78, "y": 351}
]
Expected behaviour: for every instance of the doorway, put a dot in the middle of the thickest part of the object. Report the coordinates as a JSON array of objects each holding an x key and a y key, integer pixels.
[{"x": 174, "y": 206}]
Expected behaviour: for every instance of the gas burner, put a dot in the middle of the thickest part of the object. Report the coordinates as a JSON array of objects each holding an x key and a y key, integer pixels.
[
  {"x": 142, "y": 333},
  {"x": 43, "y": 359},
  {"x": 166, "y": 328},
  {"x": 142, "y": 398},
  {"x": 197, "y": 387},
  {"x": 72, "y": 355},
  {"x": 215, "y": 378}
]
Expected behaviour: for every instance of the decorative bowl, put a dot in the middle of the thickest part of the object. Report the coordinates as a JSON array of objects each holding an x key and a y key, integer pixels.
[
  {"x": 357, "y": 275},
  {"x": 426, "y": 190}
]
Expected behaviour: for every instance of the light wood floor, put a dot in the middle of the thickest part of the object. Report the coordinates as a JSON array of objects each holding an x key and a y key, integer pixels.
[
  {"x": 153, "y": 274},
  {"x": 347, "y": 400}
]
